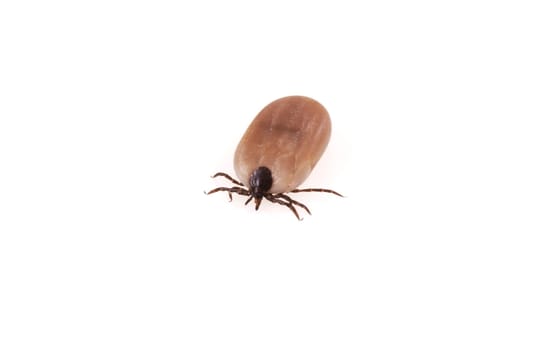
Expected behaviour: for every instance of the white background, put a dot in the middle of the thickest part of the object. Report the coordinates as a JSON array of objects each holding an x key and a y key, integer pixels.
[{"x": 114, "y": 114}]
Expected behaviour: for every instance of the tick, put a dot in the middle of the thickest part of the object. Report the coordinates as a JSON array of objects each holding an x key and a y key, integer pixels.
[{"x": 279, "y": 150}]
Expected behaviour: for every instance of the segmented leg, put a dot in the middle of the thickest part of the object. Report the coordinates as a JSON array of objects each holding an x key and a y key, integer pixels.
[
  {"x": 228, "y": 177},
  {"x": 274, "y": 199},
  {"x": 291, "y": 200},
  {"x": 316, "y": 190},
  {"x": 230, "y": 190}
]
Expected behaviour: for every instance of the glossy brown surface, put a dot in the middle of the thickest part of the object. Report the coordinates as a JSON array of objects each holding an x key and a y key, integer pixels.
[{"x": 288, "y": 136}]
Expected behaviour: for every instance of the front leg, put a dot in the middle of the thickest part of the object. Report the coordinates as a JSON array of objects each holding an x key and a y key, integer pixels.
[
  {"x": 230, "y": 190},
  {"x": 228, "y": 177},
  {"x": 272, "y": 198},
  {"x": 293, "y": 201}
]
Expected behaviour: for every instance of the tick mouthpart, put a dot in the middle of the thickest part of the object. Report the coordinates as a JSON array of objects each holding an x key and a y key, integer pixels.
[{"x": 257, "y": 201}]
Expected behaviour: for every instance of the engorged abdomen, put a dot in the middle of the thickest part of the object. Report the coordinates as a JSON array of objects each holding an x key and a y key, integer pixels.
[{"x": 288, "y": 136}]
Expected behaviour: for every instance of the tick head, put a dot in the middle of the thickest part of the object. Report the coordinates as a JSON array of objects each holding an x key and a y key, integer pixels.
[{"x": 260, "y": 182}]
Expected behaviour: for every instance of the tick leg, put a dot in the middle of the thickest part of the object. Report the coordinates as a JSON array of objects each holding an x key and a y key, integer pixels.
[
  {"x": 316, "y": 190},
  {"x": 273, "y": 199},
  {"x": 293, "y": 201},
  {"x": 228, "y": 177},
  {"x": 230, "y": 190}
]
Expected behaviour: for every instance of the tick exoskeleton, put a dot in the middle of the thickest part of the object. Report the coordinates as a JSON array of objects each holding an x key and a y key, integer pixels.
[{"x": 279, "y": 150}]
